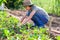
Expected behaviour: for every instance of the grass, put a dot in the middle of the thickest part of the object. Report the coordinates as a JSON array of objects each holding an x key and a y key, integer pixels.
[{"x": 51, "y": 6}]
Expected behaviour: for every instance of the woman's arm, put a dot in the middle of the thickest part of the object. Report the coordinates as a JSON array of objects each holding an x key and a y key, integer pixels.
[
  {"x": 29, "y": 17},
  {"x": 23, "y": 18}
]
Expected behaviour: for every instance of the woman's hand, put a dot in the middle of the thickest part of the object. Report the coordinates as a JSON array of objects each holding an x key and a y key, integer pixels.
[
  {"x": 23, "y": 18},
  {"x": 24, "y": 22}
]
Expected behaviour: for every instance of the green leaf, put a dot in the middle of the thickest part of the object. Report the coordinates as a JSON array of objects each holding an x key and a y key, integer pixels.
[
  {"x": 58, "y": 37},
  {"x": 6, "y": 32}
]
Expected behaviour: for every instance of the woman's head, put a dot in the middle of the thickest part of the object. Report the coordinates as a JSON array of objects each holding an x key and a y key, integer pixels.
[
  {"x": 28, "y": 4},
  {"x": 28, "y": 7}
]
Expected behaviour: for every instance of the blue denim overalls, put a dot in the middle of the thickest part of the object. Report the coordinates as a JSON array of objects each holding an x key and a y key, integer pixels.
[{"x": 40, "y": 18}]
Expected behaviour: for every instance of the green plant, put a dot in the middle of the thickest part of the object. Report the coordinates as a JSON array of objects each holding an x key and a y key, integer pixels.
[
  {"x": 7, "y": 23},
  {"x": 10, "y": 30},
  {"x": 2, "y": 1},
  {"x": 14, "y": 4},
  {"x": 58, "y": 37}
]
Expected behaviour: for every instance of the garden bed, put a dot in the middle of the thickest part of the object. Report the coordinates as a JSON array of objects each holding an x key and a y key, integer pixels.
[{"x": 24, "y": 32}]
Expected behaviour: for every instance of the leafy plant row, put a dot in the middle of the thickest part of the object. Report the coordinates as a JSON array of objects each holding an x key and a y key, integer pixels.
[{"x": 10, "y": 29}]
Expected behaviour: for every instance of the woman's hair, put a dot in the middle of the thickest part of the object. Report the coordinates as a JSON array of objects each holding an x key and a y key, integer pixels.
[{"x": 31, "y": 5}]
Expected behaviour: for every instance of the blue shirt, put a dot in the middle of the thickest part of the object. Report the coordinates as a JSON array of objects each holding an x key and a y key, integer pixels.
[{"x": 40, "y": 18}]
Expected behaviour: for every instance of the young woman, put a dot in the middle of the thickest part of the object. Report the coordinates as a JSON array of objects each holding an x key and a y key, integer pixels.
[{"x": 38, "y": 15}]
